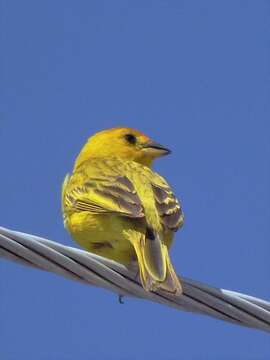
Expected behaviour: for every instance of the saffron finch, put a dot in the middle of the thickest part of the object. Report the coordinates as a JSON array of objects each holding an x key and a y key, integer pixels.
[{"x": 115, "y": 206}]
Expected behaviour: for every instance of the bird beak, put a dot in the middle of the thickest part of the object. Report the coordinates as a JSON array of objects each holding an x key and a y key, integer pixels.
[{"x": 156, "y": 148}]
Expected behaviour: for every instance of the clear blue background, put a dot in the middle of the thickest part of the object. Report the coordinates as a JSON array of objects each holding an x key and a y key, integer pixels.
[{"x": 193, "y": 75}]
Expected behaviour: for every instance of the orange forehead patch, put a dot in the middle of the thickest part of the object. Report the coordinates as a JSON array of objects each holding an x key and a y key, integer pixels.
[{"x": 122, "y": 130}]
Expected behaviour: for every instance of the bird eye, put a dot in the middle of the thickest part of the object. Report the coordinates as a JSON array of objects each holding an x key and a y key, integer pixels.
[{"x": 130, "y": 138}]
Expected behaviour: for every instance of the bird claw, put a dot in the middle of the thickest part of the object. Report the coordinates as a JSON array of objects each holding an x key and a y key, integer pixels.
[{"x": 120, "y": 299}]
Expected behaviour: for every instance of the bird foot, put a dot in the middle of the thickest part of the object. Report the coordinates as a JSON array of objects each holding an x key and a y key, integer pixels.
[{"x": 120, "y": 299}]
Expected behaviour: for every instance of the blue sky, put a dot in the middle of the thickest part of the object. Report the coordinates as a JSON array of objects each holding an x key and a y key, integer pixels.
[{"x": 193, "y": 75}]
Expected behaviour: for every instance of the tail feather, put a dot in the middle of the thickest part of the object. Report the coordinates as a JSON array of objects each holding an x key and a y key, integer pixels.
[
  {"x": 156, "y": 270},
  {"x": 153, "y": 256},
  {"x": 172, "y": 283}
]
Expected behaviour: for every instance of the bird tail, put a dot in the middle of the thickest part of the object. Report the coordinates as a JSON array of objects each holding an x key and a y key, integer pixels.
[{"x": 156, "y": 270}]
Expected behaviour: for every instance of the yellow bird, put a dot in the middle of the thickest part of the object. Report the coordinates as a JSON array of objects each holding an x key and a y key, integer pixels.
[{"x": 115, "y": 206}]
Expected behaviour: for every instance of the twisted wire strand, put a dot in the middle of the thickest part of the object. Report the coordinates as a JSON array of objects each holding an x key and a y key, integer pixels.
[{"x": 91, "y": 269}]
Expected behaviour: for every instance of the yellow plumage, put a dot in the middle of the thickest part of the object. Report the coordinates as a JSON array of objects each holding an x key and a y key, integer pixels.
[{"x": 114, "y": 205}]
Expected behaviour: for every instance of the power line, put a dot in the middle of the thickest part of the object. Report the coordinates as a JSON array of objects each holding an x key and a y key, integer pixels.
[{"x": 92, "y": 269}]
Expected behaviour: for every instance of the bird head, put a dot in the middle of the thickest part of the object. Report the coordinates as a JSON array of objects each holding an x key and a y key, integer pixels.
[{"x": 126, "y": 143}]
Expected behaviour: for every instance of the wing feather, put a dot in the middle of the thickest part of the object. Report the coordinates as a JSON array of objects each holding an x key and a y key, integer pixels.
[
  {"x": 114, "y": 194},
  {"x": 168, "y": 207}
]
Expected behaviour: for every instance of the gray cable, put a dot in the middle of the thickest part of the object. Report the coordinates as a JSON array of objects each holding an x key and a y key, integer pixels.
[{"x": 91, "y": 269}]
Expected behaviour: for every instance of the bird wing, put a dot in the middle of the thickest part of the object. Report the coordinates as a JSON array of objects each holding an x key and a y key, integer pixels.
[
  {"x": 101, "y": 195},
  {"x": 168, "y": 206}
]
